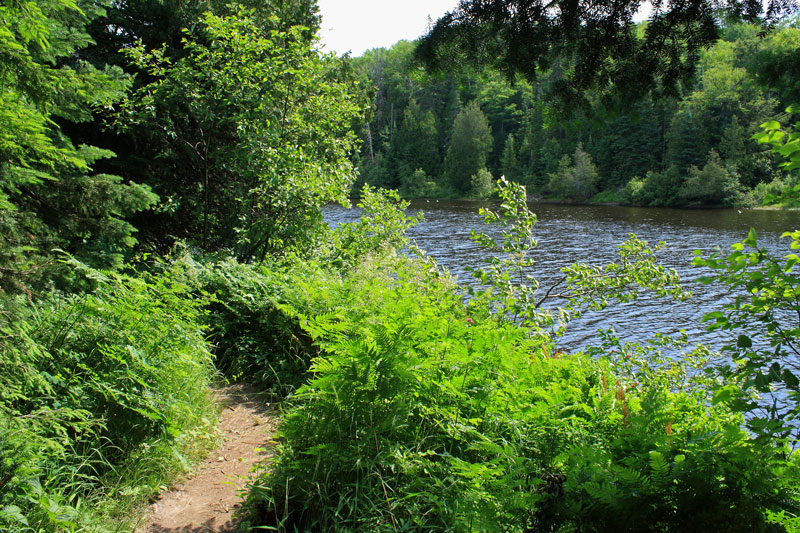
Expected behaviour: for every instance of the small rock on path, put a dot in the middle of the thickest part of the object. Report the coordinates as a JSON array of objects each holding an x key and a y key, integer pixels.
[{"x": 207, "y": 500}]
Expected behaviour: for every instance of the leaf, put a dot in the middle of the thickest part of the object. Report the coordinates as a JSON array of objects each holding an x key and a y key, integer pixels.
[
  {"x": 744, "y": 341},
  {"x": 15, "y": 513},
  {"x": 724, "y": 395},
  {"x": 790, "y": 379},
  {"x": 751, "y": 238}
]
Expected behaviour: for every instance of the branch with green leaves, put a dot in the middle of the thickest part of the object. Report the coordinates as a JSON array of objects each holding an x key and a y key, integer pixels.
[{"x": 516, "y": 292}]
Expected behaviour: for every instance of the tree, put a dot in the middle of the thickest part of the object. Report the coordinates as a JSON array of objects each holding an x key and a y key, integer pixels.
[
  {"x": 417, "y": 141},
  {"x": 49, "y": 195},
  {"x": 510, "y": 163},
  {"x": 141, "y": 154},
  {"x": 469, "y": 147},
  {"x": 503, "y": 103},
  {"x": 776, "y": 64},
  {"x": 264, "y": 119},
  {"x": 576, "y": 178},
  {"x": 482, "y": 184},
  {"x": 714, "y": 184},
  {"x": 586, "y": 45}
]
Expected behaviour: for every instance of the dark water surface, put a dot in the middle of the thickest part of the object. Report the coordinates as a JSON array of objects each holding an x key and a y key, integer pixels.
[{"x": 590, "y": 234}]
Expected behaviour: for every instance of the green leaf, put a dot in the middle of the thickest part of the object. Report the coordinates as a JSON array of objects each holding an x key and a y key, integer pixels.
[
  {"x": 751, "y": 238},
  {"x": 744, "y": 342},
  {"x": 790, "y": 379}
]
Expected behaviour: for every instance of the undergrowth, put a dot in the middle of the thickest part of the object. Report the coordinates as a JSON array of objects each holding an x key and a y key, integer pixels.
[
  {"x": 104, "y": 396},
  {"x": 424, "y": 413},
  {"x": 427, "y": 410}
]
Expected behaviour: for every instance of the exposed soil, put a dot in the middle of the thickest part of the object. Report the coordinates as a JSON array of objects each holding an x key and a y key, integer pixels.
[{"x": 207, "y": 500}]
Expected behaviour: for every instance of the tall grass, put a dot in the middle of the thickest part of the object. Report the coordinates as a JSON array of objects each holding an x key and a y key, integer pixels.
[{"x": 103, "y": 397}]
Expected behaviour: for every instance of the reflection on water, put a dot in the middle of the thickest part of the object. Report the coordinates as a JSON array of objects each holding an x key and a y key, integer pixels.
[{"x": 590, "y": 234}]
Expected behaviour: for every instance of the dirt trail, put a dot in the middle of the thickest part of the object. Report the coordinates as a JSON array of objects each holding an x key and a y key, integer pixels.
[{"x": 206, "y": 501}]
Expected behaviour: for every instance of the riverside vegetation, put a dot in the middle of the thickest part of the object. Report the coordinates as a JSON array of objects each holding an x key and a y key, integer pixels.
[{"x": 133, "y": 280}]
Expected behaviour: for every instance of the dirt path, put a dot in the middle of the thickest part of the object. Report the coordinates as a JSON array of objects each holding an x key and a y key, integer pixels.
[{"x": 206, "y": 501}]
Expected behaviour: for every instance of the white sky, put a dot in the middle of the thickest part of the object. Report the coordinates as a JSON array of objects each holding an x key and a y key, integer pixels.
[{"x": 359, "y": 25}]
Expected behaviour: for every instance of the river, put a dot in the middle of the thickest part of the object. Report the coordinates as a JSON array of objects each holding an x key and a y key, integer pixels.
[{"x": 590, "y": 234}]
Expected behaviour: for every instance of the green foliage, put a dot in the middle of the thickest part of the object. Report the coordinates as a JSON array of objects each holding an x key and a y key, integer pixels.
[
  {"x": 101, "y": 394},
  {"x": 419, "y": 185},
  {"x": 49, "y": 195},
  {"x": 610, "y": 197},
  {"x": 253, "y": 309},
  {"x": 759, "y": 317},
  {"x": 481, "y": 184},
  {"x": 576, "y": 178},
  {"x": 656, "y": 189},
  {"x": 676, "y": 444},
  {"x": 509, "y": 162},
  {"x": 254, "y": 338},
  {"x": 381, "y": 229},
  {"x": 263, "y": 119},
  {"x": 469, "y": 148},
  {"x": 714, "y": 184},
  {"x": 514, "y": 293},
  {"x": 776, "y": 63},
  {"x": 578, "y": 55},
  {"x": 786, "y": 143},
  {"x": 718, "y": 112},
  {"x": 417, "y": 142},
  {"x": 426, "y": 413}
]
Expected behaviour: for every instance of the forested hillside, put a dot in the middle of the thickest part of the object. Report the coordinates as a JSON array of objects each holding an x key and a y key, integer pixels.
[{"x": 437, "y": 134}]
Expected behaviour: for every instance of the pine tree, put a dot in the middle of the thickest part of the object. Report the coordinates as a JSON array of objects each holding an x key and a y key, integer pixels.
[
  {"x": 417, "y": 142},
  {"x": 510, "y": 162}
]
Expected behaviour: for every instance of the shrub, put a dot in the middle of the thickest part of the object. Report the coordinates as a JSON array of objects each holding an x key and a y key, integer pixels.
[
  {"x": 632, "y": 192},
  {"x": 714, "y": 184},
  {"x": 418, "y": 185},
  {"x": 656, "y": 189},
  {"x": 576, "y": 178},
  {"x": 253, "y": 336},
  {"x": 423, "y": 415}
]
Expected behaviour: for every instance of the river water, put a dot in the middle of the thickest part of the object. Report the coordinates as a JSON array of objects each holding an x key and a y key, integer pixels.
[{"x": 590, "y": 234}]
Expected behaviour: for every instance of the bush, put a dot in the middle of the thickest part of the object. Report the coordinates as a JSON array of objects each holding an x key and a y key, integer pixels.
[
  {"x": 713, "y": 185},
  {"x": 253, "y": 336},
  {"x": 418, "y": 185},
  {"x": 428, "y": 410},
  {"x": 657, "y": 189},
  {"x": 423, "y": 413}
]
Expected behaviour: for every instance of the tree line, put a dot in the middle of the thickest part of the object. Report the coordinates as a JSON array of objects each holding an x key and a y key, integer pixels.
[
  {"x": 449, "y": 133},
  {"x": 163, "y": 169}
]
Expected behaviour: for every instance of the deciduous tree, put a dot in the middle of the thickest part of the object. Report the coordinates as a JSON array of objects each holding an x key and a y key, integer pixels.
[
  {"x": 264, "y": 120},
  {"x": 469, "y": 147}
]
